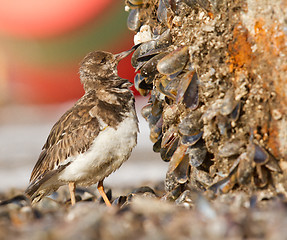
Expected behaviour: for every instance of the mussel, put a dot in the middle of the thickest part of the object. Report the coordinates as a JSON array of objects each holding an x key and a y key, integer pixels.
[{"x": 174, "y": 62}]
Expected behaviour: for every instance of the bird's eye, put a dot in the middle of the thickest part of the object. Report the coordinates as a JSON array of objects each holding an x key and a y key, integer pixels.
[{"x": 103, "y": 60}]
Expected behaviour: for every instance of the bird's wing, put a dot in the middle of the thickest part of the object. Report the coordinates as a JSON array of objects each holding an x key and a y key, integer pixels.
[{"x": 72, "y": 134}]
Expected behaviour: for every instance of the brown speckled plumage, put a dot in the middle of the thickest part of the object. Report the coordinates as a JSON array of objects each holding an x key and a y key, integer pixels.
[{"x": 106, "y": 103}]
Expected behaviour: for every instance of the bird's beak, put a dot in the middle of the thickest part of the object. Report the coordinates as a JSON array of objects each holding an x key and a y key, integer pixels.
[{"x": 124, "y": 54}]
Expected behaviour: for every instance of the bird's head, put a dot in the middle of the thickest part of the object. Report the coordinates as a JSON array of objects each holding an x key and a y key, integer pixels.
[{"x": 99, "y": 67}]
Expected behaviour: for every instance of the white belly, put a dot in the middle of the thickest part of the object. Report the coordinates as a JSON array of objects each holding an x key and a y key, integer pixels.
[{"x": 107, "y": 153}]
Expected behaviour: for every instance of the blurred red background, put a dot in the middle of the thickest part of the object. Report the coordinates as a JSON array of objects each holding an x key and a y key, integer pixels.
[{"x": 43, "y": 42}]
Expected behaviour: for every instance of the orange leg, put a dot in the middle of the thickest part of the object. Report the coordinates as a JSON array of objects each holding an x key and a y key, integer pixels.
[
  {"x": 72, "y": 189},
  {"x": 103, "y": 194}
]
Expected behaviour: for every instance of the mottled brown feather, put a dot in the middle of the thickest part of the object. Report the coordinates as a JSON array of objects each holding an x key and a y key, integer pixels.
[
  {"x": 107, "y": 102},
  {"x": 75, "y": 131},
  {"x": 72, "y": 134}
]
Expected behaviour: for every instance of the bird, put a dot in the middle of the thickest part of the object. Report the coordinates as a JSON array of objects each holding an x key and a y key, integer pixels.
[{"x": 94, "y": 137}]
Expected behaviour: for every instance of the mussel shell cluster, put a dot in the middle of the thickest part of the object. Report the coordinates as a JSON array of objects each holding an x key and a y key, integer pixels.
[{"x": 198, "y": 118}]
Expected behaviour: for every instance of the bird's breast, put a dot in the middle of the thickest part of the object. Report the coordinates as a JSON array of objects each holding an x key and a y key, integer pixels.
[{"x": 107, "y": 153}]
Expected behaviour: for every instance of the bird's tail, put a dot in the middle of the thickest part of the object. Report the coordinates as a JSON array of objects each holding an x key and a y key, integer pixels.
[
  {"x": 33, "y": 192},
  {"x": 40, "y": 187}
]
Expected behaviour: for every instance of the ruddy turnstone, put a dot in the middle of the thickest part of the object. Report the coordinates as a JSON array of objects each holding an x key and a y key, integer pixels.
[{"x": 94, "y": 137}]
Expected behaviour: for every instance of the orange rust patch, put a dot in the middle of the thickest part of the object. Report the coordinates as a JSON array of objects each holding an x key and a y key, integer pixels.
[
  {"x": 272, "y": 39},
  {"x": 271, "y": 42},
  {"x": 240, "y": 53},
  {"x": 271, "y": 64}
]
